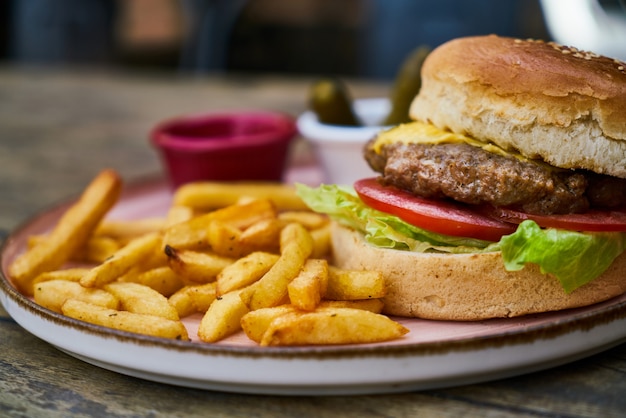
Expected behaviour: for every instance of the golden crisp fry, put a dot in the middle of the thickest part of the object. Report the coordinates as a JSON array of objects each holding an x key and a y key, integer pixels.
[
  {"x": 95, "y": 250},
  {"x": 206, "y": 196},
  {"x": 354, "y": 284},
  {"x": 157, "y": 258},
  {"x": 183, "y": 303},
  {"x": 321, "y": 241},
  {"x": 243, "y": 266},
  {"x": 223, "y": 318},
  {"x": 230, "y": 241},
  {"x": 141, "y": 299},
  {"x": 255, "y": 323},
  {"x": 52, "y": 294},
  {"x": 331, "y": 326},
  {"x": 194, "y": 267},
  {"x": 271, "y": 289},
  {"x": 122, "y": 261},
  {"x": 263, "y": 235},
  {"x": 307, "y": 289},
  {"x": 126, "y": 230},
  {"x": 244, "y": 271},
  {"x": 193, "y": 234},
  {"x": 193, "y": 299},
  {"x": 306, "y": 218},
  {"x": 125, "y": 321},
  {"x": 372, "y": 305},
  {"x": 70, "y": 233},
  {"x": 224, "y": 240},
  {"x": 202, "y": 296},
  {"x": 162, "y": 279},
  {"x": 70, "y": 274},
  {"x": 178, "y": 214}
]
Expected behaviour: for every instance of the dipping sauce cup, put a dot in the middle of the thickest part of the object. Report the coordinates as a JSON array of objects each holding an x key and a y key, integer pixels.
[{"x": 232, "y": 146}]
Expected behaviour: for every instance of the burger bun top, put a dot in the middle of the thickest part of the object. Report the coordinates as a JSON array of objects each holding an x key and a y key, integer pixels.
[{"x": 543, "y": 100}]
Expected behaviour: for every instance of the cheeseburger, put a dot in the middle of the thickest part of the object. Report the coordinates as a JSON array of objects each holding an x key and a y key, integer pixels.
[{"x": 505, "y": 196}]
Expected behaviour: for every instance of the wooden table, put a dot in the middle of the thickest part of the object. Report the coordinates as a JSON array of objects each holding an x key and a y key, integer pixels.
[{"x": 59, "y": 128}]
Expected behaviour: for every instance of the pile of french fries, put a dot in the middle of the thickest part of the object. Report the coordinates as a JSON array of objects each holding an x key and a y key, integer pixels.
[{"x": 244, "y": 256}]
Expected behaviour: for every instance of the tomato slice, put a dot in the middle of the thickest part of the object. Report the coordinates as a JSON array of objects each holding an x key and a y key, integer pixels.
[
  {"x": 591, "y": 221},
  {"x": 443, "y": 217}
]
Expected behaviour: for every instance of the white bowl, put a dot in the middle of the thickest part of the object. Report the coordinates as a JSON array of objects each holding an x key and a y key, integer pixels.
[{"x": 339, "y": 149}]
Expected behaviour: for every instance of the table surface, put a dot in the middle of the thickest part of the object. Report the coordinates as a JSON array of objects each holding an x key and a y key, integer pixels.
[{"x": 59, "y": 127}]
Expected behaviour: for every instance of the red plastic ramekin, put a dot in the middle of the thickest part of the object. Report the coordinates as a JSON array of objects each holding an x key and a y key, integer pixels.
[{"x": 234, "y": 146}]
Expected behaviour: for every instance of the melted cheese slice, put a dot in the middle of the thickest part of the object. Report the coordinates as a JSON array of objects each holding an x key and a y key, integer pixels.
[{"x": 424, "y": 133}]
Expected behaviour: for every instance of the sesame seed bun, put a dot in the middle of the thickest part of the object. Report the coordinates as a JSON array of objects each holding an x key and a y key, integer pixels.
[{"x": 544, "y": 100}]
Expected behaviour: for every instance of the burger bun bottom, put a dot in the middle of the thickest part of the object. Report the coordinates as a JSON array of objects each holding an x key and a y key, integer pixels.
[{"x": 467, "y": 287}]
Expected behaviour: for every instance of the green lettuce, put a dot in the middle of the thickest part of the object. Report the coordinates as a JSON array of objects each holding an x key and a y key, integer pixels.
[{"x": 574, "y": 258}]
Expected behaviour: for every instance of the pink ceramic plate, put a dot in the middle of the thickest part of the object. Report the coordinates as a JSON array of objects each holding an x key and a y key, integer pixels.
[{"x": 434, "y": 354}]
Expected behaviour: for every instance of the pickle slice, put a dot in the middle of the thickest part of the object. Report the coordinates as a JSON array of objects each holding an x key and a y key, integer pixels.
[
  {"x": 406, "y": 86},
  {"x": 331, "y": 102}
]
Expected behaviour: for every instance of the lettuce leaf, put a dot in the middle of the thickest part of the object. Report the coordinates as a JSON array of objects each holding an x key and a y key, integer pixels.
[{"x": 574, "y": 258}]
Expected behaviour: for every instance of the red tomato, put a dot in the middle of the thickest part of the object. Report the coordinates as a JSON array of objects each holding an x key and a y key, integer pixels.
[
  {"x": 443, "y": 217},
  {"x": 593, "y": 220}
]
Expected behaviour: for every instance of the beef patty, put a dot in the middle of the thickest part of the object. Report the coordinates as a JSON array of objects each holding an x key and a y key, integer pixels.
[{"x": 472, "y": 175}]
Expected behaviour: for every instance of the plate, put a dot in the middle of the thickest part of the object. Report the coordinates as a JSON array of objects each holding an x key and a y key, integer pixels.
[{"x": 434, "y": 354}]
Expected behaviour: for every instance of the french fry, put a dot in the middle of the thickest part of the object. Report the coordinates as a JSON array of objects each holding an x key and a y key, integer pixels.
[
  {"x": 95, "y": 250},
  {"x": 230, "y": 241},
  {"x": 308, "y": 287},
  {"x": 263, "y": 235},
  {"x": 257, "y": 262},
  {"x": 354, "y": 284},
  {"x": 295, "y": 233},
  {"x": 194, "y": 267},
  {"x": 321, "y": 241},
  {"x": 223, "y": 318},
  {"x": 306, "y": 218},
  {"x": 177, "y": 214},
  {"x": 271, "y": 289},
  {"x": 70, "y": 233},
  {"x": 141, "y": 299},
  {"x": 372, "y": 305},
  {"x": 193, "y": 299},
  {"x": 52, "y": 294},
  {"x": 126, "y": 230},
  {"x": 211, "y": 195},
  {"x": 70, "y": 274},
  {"x": 331, "y": 326},
  {"x": 156, "y": 258},
  {"x": 193, "y": 234},
  {"x": 183, "y": 303},
  {"x": 202, "y": 296},
  {"x": 125, "y": 321},
  {"x": 162, "y": 279},
  {"x": 255, "y": 323},
  {"x": 122, "y": 261},
  {"x": 224, "y": 240},
  {"x": 244, "y": 271}
]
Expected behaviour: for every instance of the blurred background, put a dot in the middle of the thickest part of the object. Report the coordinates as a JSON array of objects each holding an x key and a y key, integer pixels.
[{"x": 360, "y": 38}]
